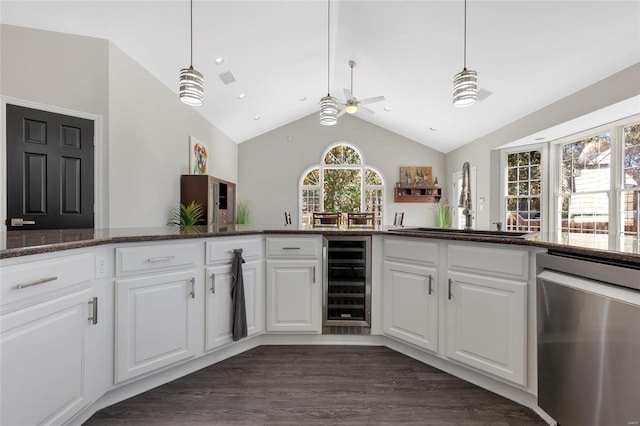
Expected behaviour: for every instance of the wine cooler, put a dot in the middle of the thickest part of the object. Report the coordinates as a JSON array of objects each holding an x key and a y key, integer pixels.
[{"x": 347, "y": 285}]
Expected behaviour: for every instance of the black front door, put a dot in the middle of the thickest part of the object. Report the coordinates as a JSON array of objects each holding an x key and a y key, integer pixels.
[{"x": 49, "y": 170}]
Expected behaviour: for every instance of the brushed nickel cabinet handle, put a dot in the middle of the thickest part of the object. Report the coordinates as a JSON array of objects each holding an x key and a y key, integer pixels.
[
  {"x": 290, "y": 248},
  {"x": 213, "y": 283},
  {"x": 314, "y": 275},
  {"x": 94, "y": 311},
  {"x": 193, "y": 288},
  {"x": 37, "y": 282},
  {"x": 160, "y": 259},
  {"x": 430, "y": 284},
  {"x": 450, "y": 285}
]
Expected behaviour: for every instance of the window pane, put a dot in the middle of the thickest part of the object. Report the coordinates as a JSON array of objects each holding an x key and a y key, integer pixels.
[
  {"x": 373, "y": 203},
  {"x": 342, "y": 155},
  {"x": 312, "y": 178},
  {"x": 631, "y": 213},
  {"x": 523, "y": 214},
  {"x": 513, "y": 174},
  {"x": 372, "y": 177},
  {"x": 585, "y": 213},
  {"x": 342, "y": 190},
  {"x": 585, "y": 164},
  {"x": 523, "y": 189},
  {"x": 632, "y": 156},
  {"x": 310, "y": 204}
]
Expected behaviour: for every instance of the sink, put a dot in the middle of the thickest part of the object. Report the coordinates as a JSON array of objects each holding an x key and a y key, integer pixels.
[{"x": 450, "y": 231}]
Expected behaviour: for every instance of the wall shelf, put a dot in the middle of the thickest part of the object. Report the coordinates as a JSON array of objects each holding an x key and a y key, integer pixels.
[{"x": 416, "y": 193}]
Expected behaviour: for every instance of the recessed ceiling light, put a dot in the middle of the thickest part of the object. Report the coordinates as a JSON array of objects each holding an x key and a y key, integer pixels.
[
  {"x": 242, "y": 96},
  {"x": 387, "y": 109},
  {"x": 541, "y": 138},
  {"x": 221, "y": 61},
  {"x": 302, "y": 99},
  {"x": 433, "y": 129},
  {"x": 256, "y": 117}
]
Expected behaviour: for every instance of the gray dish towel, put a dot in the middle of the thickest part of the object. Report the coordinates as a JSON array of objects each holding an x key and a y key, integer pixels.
[{"x": 237, "y": 297}]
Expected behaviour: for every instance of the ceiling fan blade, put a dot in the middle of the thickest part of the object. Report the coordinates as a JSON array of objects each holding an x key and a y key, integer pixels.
[
  {"x": 366, "y": 110},
  {"x": 371, "y": 100},
  {"x": 348, "y": 95},
  {"x": 341, "y": 112}
]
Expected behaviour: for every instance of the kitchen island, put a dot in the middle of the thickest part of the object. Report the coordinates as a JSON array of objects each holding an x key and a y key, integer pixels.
[{"x": 107, "y": 314}]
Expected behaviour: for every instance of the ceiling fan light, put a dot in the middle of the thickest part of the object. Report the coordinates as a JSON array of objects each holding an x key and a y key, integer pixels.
[
  {"x": 465, "y": 88},
  {"x": 351, "y": 108},
  {"x": 328, "y": 111},
  {"x": 191, "y": 87}
]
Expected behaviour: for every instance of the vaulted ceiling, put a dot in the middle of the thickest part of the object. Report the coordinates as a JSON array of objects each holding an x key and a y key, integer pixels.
[{"x": 528, "y": 54}]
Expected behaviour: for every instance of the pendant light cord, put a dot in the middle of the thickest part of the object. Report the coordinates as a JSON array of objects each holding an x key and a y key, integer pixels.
[
  {"x": 328, "y": 46},
  {"x": 465, "y": 35}
]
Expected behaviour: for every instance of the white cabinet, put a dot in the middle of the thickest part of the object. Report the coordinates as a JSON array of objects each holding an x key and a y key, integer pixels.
[
  {"x": 294, "y": 284},
  {"x": 219, "y": 305},
  {"x": 486, "y": 314},
  {"x": 411, "y": 304},
  {"x": 47, "y": 319},
  {"x": 410, "y": 289},
  {"x": 157, "y": 315}
]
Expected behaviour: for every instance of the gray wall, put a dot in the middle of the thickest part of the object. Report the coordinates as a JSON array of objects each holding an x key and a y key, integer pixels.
[
  {"x": 270, "y": 165},
  {"x": 145, "y": 128}
]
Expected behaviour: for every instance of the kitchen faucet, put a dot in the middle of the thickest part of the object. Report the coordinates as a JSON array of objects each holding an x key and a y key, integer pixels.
[{"x": 465, "y": 195}]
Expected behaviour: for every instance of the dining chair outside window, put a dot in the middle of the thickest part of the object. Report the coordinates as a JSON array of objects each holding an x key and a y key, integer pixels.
[
  {"x": 320, "y": 219},
  {"x": 363, "y": 219}
]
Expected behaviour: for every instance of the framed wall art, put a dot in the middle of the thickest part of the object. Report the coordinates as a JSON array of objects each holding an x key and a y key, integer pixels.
[
  {"x": 199, "y": 154},
  {"x": 416, "y": 176}
]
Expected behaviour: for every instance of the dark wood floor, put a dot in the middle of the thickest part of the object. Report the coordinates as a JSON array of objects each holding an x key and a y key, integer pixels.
[{"x": 317, "y": 385}]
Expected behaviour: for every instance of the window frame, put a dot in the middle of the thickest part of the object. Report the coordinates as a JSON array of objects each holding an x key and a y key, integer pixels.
[
  {"x": 544, "y": 181},
  {"x": 362, "y": 166}
]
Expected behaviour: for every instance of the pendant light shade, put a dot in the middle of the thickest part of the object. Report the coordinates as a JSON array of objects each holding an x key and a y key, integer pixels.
[
  {"x": 328, "y": 110},
  {"x": 191, "y": 86},
  {"x": 465, "y": 88},
  {"x": 191, "y": 81},
  {"x": 328, "y": 104},
  {"x": 465, "y": 83}
]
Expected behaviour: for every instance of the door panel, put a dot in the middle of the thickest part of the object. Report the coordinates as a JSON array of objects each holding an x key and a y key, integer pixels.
[{"x": 49, "y": 169}]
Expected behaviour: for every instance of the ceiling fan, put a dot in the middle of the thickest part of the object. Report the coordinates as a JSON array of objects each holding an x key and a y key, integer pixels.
[{"x": 353, "y": 105}]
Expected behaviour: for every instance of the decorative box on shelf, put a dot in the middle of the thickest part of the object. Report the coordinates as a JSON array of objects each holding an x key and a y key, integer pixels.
[{"x": 404, "y": 193}]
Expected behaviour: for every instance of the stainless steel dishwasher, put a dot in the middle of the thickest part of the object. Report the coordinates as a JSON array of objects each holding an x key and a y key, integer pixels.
[{"x": 588, "y": 321}]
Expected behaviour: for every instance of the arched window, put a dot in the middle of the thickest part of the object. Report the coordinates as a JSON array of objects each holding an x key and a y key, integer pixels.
[{"x": 341, "y": 183}]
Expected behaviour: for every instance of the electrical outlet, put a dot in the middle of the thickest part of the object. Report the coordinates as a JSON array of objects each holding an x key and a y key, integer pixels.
[{"x": 101, "y": 267}]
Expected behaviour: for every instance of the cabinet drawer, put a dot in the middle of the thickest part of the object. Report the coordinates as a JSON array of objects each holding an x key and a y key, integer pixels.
[
  {"x": 411, "y": 250},
  {"x": 507, "y": 263},
  {"x": 293, "y": 247},
  {"x": 220, "y": 250},
  {"x": 30, "y": 279},
  {"x": 134, "y": 260}
]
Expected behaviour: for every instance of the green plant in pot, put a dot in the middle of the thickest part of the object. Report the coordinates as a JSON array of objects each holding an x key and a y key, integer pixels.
[
  {"x": 186, "y": 215},
  {"x": 242, "y": 215},
  {"x": 443, "y": 215}
]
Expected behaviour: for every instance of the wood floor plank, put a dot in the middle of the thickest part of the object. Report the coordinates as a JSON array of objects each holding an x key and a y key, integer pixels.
[{"x": 317, "y": 385}]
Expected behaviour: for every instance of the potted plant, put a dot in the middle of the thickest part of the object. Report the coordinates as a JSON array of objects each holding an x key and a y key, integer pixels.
[
  {"x": 185, "y": 216},
  {"x": 242, "y": 216},
  {"x": 443, "y": 215}
]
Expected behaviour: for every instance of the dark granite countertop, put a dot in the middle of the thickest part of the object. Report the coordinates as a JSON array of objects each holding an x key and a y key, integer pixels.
[{"x": 29, "y": 242}]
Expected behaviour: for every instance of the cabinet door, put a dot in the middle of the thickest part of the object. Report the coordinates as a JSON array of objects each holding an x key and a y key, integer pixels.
[
  {"x": 294, "y": 294},
  {"x": 411, "y": 304},
  {"x": 219, "y": 305},
  {"x": 486, "y": 324},
  {"x": 156, "y": 323},
  {"x": 43, "y": 361}
]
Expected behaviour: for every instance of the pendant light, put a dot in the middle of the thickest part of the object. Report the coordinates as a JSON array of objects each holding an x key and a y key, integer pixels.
[
  {"x": 465, "y": 83},
  {"x": 191, "y": 81},
  {"x": 328, "y": 104}
]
